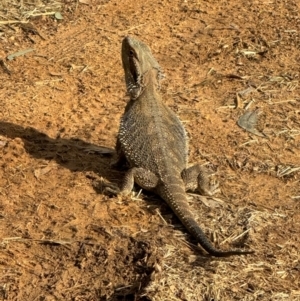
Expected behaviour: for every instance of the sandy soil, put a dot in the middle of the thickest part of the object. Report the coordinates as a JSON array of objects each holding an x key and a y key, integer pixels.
[{"x": 63, "y": 239}]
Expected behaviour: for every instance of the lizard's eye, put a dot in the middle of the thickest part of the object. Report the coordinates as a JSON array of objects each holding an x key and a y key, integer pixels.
[{"x": 131, "y": 53}]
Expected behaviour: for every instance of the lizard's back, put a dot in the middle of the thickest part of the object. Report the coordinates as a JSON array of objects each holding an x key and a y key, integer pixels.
[{"x": 153, "y": 137}]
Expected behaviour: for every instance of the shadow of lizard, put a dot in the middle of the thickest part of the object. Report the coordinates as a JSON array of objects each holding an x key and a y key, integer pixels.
[{"x": 74, "y": 154}]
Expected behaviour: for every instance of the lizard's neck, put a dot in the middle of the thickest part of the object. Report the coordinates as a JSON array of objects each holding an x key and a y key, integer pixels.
[{"x": 149, "y": 82}]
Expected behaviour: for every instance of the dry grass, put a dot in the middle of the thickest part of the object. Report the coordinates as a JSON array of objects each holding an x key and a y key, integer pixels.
[
  {"x": 21, "y": 11},
  {"x": 264, "y": 276},
  {"x": 258, "y": 207}
]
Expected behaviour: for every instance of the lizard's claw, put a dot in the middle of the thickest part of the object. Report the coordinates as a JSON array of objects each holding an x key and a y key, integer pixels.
[
  {"x": 212, "y": 189},
  {"x": 111, "y": 190}
]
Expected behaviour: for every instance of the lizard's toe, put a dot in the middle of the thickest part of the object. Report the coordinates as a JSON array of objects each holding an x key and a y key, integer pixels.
[
  {"x": 209, "y": 189},
  {"x": 112, "y": 191}
]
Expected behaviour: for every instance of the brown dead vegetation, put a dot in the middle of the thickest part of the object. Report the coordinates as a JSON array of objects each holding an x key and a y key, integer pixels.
[{"x": 61, "y": 238}]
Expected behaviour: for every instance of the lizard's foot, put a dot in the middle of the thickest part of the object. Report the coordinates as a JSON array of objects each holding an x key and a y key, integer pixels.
[
  {"x": 198, "y": 178},
  {"x": 111, "y": 190},
  {"x": 209, "y": 188}
]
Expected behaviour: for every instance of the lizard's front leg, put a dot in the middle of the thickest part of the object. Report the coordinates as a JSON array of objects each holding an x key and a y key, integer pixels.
[
  {"x": 121, "y": 161},
  {"x": 196, "y": 178}
]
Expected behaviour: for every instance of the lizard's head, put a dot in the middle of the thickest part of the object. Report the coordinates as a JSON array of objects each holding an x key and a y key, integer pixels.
[{"x": 137, "y": 62}]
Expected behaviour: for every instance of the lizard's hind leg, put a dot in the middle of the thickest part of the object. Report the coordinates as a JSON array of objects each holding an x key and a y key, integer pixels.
[
  {"x": 143, "y": 177},
  {"x": 197, "y": 178}
]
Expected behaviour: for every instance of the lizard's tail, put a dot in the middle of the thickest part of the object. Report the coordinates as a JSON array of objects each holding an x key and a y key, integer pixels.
[
  {"x": 176, "y": 198},
  {"x": 192, "y": 226}
]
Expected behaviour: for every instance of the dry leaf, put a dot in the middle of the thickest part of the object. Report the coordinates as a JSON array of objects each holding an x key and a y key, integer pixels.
[
  {"x": 248, "y": 122},
  {"x": 208, "y": 201},
  {"x": 85, "y": 2},
  {"x": 97, "y": 149},
  {"x": 19, "y": 53},
  {"x": 42, "y": 171},
  {"x": 3, "y": 143}
]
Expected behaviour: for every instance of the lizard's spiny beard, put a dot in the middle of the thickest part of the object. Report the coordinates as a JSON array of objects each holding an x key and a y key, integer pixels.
[{"x": 134, "y": 86}]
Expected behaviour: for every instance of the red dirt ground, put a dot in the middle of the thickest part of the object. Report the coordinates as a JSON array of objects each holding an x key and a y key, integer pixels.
[{"x": 62, "y": 239}]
